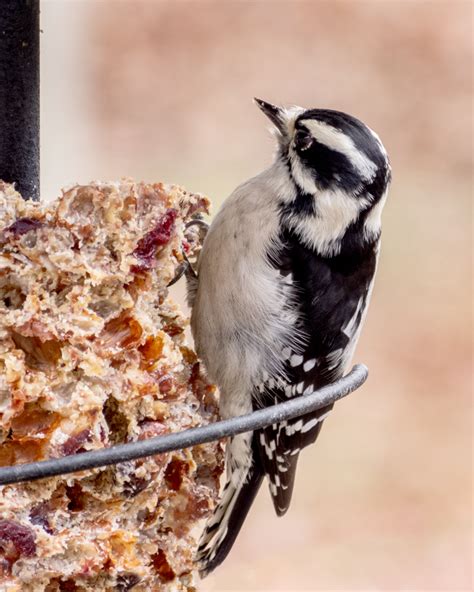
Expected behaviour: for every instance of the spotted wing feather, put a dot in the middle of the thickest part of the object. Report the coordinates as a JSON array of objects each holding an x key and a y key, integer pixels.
[
  {"x": 330, "y": 305},
  {"x": 279, "y": 447}
]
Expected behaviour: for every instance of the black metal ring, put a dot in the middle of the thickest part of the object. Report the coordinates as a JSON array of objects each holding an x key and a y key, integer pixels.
[{"x": 187, "y": 438}]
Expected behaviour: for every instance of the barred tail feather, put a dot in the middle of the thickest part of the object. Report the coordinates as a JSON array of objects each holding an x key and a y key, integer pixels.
[
  {"x": 279, "y": 447},
  {"x": 226, "y": 522}
]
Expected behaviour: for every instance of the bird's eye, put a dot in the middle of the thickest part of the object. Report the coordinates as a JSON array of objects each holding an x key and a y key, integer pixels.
[{"x": 303, "y": 140}]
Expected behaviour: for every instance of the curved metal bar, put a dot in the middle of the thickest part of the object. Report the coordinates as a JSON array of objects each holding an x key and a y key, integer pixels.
[{"x": 187, "y": 438}]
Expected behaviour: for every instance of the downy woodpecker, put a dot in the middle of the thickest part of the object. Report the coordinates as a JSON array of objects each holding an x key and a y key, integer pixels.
[{"x": 283, "y": 283}]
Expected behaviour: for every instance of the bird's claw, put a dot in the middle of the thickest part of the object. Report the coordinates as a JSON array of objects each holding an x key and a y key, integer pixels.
[{"x": 186, "y": 267}]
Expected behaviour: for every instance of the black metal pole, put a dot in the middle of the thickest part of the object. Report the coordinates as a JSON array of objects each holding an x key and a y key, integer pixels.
[{"x": 19, "y": 95}]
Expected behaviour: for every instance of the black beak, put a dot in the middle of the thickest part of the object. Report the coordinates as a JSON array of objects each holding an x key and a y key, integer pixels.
[{"x": 275, "y": 114}]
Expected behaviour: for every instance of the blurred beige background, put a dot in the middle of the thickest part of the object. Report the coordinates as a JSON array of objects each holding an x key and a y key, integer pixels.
[{"x": 162, "y": 91}]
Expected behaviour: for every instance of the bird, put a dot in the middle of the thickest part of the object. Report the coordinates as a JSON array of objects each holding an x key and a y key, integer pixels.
[{"x": 280, "y": 294}]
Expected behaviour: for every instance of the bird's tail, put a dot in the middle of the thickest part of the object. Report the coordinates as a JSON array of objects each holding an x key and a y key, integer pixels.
[{"x": 226, "y": 522}]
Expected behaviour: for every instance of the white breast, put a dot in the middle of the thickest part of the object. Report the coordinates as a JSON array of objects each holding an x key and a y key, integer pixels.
[{"x": 241, "y": 320}]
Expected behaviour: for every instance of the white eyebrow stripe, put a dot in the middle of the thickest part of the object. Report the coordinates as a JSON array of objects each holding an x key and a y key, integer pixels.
[{"x": 340, "y": 142}]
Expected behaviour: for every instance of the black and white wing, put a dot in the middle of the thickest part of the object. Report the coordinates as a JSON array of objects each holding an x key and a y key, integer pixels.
[
  {"x": 328, "y": 298},
  {"x": 330, "y": 295},
  {"x": 279, "y": 446}
]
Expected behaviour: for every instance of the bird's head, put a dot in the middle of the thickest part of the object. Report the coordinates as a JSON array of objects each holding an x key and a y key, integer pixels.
[{"x": 334, "y": 161}]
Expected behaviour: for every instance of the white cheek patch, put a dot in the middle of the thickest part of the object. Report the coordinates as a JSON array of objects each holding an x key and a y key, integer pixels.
[
  {"x": 335, "y": 211},
  {"x": 338, "y": 141}
]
